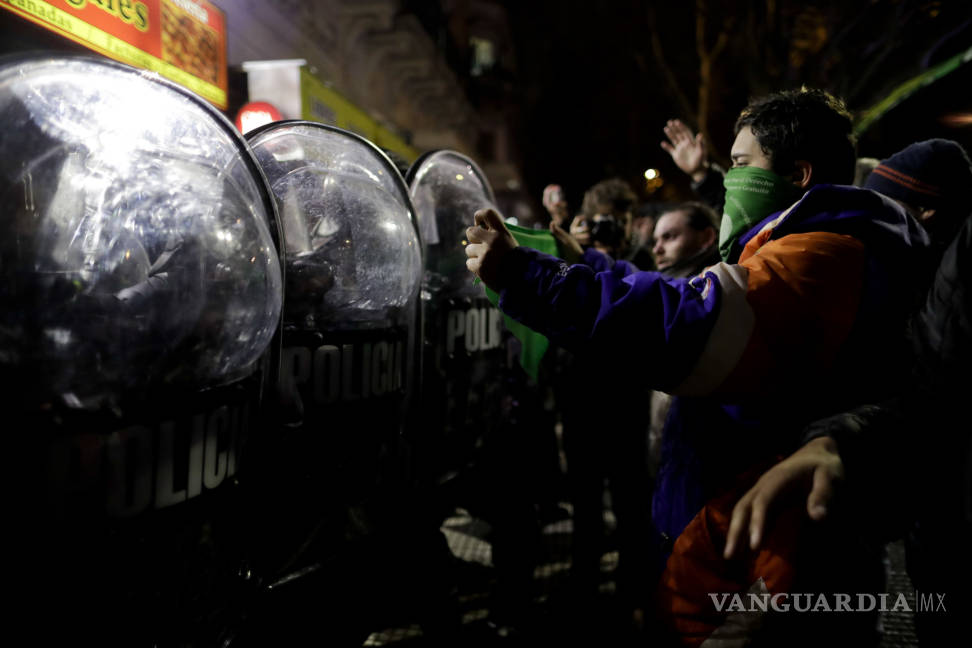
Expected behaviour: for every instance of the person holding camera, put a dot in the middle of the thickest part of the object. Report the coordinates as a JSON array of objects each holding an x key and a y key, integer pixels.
[{"x": 605, "y": 219}]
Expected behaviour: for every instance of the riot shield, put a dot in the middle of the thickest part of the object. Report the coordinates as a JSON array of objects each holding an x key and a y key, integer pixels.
[
  {"x": 465, "y": 359},
  {"x": 140, "y": 294},
  {"x": 332, "y": 464},
  {"x": 481, "y": 443}
]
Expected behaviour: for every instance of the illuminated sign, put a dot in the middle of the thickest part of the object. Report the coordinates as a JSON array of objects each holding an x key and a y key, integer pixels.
[
  {"x": 323, "y": 104},
  {"x": 256, "y": 114},
  {"x": 183, "y": 40}
]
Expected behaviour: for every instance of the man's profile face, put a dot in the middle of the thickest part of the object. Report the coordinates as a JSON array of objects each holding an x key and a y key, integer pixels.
[
  {"x": 747, "y": 152},
  {"x": 676, "y": 240}
]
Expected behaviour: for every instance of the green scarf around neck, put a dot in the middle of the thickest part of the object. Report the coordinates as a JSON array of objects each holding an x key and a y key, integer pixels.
[{"x": 752, "y": 194}]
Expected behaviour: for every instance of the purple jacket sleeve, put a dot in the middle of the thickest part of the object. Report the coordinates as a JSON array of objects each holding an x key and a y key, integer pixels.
[
  {"x": 660, "y": 323},
  {"x": 599, "y": 262}
]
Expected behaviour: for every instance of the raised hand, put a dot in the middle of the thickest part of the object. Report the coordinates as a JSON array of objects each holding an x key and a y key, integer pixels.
[
  {"x": 687, "y": 150},
  {"x": 555, "y": 203}
]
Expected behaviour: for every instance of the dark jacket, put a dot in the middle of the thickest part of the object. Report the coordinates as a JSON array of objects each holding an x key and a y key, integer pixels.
[{"x": 909, "y": 459}]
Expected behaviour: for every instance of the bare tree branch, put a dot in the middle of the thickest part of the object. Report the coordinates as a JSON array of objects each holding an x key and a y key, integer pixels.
[
  {"x": 707, "y": 58},
  {"x": 684, "y": 105}
]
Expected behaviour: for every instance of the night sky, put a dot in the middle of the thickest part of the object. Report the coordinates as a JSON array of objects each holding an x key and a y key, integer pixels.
[{"x": 591, "y": 96}]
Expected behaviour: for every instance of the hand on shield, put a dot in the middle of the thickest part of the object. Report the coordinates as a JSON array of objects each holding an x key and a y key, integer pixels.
[{"x": 489, "y": 242}]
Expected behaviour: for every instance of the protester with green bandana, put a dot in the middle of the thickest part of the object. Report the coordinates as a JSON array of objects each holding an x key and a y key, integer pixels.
[
  {"x": 773, "y": 162},
  {"x": 805, "y": 323},
  {"x": 751, "y": 193}
]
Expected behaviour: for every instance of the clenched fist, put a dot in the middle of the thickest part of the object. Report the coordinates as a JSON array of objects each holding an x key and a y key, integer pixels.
[{"x": 489, "y": 242}]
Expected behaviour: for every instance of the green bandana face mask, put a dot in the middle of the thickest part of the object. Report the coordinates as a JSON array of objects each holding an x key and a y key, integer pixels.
[{"x": 752, "y": 194}]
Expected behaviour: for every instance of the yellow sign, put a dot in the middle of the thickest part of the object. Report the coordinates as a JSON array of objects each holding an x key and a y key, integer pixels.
[
  {"x": 323, "y": 104},
  {"x": 182, "y": 40}
]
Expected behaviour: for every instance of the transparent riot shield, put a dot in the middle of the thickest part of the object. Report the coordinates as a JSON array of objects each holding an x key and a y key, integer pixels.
[
  {"x": 140, "y": 294},
  {"x": 332, "y": 462},
  {"x": 465, "y": 359},
  {"x": 478, "y": 446}
]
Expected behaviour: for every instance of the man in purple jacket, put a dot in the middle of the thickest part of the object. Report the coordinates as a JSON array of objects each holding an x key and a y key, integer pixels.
[{"x": 803, "y": 318}]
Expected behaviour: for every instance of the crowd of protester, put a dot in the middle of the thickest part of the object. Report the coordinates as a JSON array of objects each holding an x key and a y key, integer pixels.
[{"x": 767, "y": 378}]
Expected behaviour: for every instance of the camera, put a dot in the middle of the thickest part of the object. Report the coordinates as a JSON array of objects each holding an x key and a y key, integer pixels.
[{"x": 606, "y": 231}]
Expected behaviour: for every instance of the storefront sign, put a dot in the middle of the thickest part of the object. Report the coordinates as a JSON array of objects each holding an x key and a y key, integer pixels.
[
  {"x": 256, "y": 114},
  {"x": 183, "y": 40},
  {"x": 323, "y": 104}
]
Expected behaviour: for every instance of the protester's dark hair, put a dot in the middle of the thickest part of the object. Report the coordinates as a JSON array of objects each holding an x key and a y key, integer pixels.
[
  {"x": 614, "y": 192},
  {"x": 700, "y": 216},
  {"x": 805, "y": 124}
]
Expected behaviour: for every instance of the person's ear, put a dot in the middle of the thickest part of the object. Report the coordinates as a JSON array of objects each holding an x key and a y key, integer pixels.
[
  {"x": 709, "y": 237},
  {"x": 802, "y": 173}
]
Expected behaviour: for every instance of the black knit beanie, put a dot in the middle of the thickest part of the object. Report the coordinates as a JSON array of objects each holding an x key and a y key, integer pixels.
[{"x": 932, "y": 174}]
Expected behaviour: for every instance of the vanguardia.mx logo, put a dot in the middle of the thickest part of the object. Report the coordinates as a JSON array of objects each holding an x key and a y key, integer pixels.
[{"x": 805, "y": 602}]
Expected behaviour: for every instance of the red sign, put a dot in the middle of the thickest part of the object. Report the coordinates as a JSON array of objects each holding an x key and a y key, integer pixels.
[
  {"x": 256, "y": 114},
  {"x": 183, "y": 40}
]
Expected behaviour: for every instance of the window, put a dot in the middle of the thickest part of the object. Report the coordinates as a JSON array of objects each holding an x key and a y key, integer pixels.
[{"x": 483, "y": 55}]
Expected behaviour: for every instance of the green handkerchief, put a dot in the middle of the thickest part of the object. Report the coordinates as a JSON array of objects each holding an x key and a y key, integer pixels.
[{"x": 533, "y": 344}]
